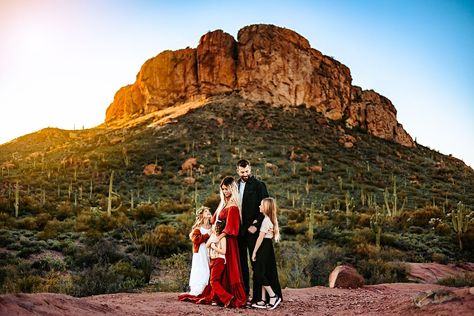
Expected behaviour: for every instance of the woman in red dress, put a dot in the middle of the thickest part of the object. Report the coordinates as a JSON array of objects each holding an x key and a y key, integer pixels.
[{"x": 229, "y": 211}]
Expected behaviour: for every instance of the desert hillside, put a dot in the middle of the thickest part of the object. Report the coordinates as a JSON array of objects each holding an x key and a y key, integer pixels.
[{"x": 108, "y": 209}]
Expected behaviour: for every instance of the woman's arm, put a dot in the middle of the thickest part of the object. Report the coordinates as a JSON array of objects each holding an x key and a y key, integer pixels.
[
  {"x": 221, "y": 236},
  {"x": 257, "y": 245}
]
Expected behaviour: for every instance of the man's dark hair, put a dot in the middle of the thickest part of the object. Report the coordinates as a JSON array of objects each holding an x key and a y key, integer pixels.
[{"x": 243, "y": 163}]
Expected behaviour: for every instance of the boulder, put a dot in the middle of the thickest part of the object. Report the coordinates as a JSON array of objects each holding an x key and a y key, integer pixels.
[
  {"x": 152, "y": 169},
  {"x": 344, "y": 276},
  {"x": 189, "y": 164}
]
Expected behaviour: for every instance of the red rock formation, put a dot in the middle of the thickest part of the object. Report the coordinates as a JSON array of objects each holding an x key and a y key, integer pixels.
[
  {"x": 217, "y": 63},
  {"x": 345, "y": 277},
  {"x": 268, "y": 63},
  {"x": 377, "y": 115}
]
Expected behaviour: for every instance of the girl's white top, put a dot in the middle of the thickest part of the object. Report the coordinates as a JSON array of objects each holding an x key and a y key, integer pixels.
[{"x": 267, "y": 227}]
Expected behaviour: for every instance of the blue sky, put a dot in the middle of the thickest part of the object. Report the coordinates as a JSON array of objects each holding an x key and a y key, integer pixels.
[{"x": 61, "y": 62}]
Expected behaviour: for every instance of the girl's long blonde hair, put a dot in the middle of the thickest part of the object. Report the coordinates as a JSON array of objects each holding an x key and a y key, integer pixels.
[
  {"x": 229, "y": 181},
  {"x": 199, "y": 219},
  {"x": 270, "y": 209}
]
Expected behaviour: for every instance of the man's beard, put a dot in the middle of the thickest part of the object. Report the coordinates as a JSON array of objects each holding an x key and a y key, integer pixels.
[{"x": 245, "y": 178}]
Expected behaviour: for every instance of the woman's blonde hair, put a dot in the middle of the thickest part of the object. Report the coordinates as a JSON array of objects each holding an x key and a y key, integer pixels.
[
  {"x": 199, "y": 219},
  {"x": 229, "y": 182},
  {"x": 270, "y": 209}
]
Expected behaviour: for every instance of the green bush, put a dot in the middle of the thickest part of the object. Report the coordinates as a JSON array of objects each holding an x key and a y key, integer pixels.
[
  {"x": 164, "y": 240},
  {"x": 52, "y": 229},
  {"x": 145, "y": 211},
  {"x": 27, "y": 222},
  {"x": 169, "y": 206},
  {"x": 322, "y": 261},
  {"x": 27, "y": 284},
  {"x": 376, "y": 271},
  {"x": 465, "y": 279},
  {"x": 47, "y": 264},
  {"x": 421, "y": 217},
  {"x": 174, "y": 273},
  {"x": 6, "y": 220}
]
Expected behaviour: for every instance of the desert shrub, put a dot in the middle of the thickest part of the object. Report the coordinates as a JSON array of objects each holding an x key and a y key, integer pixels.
[
  {"x": 145, "y": 212},
  {"x": 6, "y": 238},
  {"x": 27, "y": 222},
  {"x": 26, "y": 284},
  {"x": 295, "y": 228},
  {"x": 28, "y": 247},
  {"x": 129, "y": 272},
  {"x": 292, "y": 258},
  {"x": 174, "y": 273},
  {"x": 57, "y": 282},
  {"x": 297, "y": 216},
  {"x": 322, "y": 261},
  {"x": 105, "y": 223},
  {"x": 365, "y": 250},
  {"x": 52, "y": 229},
  {"x": 41, "y": 220},
  {"x": 64, "y": 210},
  {"x": 376, "y": 271},
  {"x": 169, "y": 206},
  {"x": 164, "y": 239},
  {"x": 6, "y": 220},
  {"x": 361, "y": 236},
  {"x": 421, "y": 217},
  {"x": 363, "y": 220},
  {"x": 47, "y": 264},
  {"x": 443, "y": 229},
  {"x": 465, "y": 279},
  {"x": 212, "y": 202},
  {"x": 145, "y": 263},
  {"x": 439, "y": 258},
  {"x": 104, "y": 251},
  {"x": 102, "y": 279}
]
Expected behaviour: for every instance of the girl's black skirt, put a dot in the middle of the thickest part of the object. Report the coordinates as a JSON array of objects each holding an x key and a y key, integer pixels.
[{"x": 265, "y": 270}]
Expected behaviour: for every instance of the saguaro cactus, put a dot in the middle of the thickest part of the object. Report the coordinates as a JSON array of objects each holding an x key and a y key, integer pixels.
[
  {"x": 377, "y": 220},
  {"x": 132, "y": 205},
  {"x": 460, "y": 218},
  {"x": 391, "y": 201},
  {"x": 111, "y": 194},
  {"x": 310, "y": 233},
  {"x": 17, "y": 198},
  {"x": 349, "y": 200}
]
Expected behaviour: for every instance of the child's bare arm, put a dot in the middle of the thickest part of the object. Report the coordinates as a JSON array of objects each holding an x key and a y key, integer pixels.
[
  {"x": 257, "y": 245},
  {"x": 222, "y": 246}
]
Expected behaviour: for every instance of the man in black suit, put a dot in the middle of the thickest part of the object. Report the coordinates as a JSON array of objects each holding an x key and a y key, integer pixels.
[{"x": 251, "y": 193}]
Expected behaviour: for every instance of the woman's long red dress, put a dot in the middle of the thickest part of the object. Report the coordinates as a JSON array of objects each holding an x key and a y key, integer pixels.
[{"x": 232, "y": 278}]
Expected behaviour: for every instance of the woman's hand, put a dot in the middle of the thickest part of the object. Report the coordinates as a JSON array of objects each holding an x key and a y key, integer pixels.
[{"x": 254, "y": 257}]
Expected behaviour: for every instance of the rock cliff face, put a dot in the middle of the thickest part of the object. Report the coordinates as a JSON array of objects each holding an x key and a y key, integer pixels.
[{"x": 267, "y": 63}]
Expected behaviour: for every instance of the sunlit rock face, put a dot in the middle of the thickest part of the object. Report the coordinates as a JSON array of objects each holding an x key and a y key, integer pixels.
[
  {"x": 278, "y": 66},
  {"x": 377, "y": 115},
  {"x": 266, "y": 64}
]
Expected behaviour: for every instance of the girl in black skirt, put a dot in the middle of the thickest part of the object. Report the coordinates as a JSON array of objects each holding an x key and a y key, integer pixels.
[{"x": 265, "y": 270}]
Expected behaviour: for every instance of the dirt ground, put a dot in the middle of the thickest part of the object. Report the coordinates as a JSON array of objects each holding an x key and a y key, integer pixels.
[{"x": 382, "y": 299}]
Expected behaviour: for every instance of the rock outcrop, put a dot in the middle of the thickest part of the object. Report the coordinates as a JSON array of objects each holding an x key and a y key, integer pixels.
[
  {"x": 266, "y": 64},
  {"x": 345, "y": 277}
]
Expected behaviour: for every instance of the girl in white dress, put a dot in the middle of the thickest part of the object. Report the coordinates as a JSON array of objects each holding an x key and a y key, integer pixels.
[{"x": 200, "y": 265}]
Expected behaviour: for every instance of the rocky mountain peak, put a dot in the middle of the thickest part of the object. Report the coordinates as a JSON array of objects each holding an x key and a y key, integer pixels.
[{"x": 267, "y": 64}]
